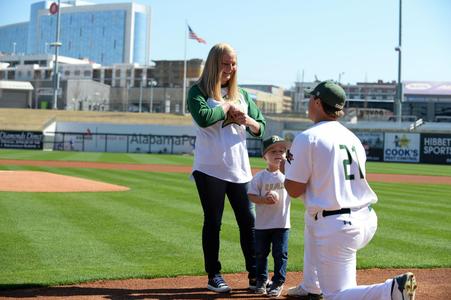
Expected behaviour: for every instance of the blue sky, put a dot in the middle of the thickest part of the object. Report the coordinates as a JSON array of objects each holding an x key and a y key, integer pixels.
[{"x": 277, "y": 41}]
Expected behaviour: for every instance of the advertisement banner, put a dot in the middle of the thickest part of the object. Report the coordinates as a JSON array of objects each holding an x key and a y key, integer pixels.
[
  {"x": 20, "y": 139},
  {"x": 161, "y": 143},
  {"x": 136, "y": 138},
  {"x": 373, "y": 142},
  {"x": 402, "y": 147},
  {"x": 136, "y": 143},
  {"x": 435, "y": 148}
]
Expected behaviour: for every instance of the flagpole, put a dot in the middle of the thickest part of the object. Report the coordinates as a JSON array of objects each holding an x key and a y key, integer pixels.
[{"x": 184, "y": 72}]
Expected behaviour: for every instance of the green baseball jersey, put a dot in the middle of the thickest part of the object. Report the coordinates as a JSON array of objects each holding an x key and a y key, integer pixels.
[{"x": 220, "y": 148}]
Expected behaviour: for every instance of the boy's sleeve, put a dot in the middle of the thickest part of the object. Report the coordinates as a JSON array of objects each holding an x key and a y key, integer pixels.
[{"x": 254, "y": 187}]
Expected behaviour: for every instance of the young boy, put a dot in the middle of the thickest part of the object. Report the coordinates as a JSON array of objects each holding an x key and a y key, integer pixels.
[{"x": 272, "y": 223}]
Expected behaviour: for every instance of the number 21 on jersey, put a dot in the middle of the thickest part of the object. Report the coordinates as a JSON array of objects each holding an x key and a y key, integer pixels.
[{"x": 348, "y": 162}]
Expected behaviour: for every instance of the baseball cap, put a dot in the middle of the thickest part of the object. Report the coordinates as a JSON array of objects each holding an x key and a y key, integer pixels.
[
  {"x": 271, "y": 141},
  {"x": 330, "y": 93}
]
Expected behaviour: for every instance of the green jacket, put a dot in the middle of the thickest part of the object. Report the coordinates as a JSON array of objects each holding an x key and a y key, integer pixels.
[{"x": 206, "y": 116}]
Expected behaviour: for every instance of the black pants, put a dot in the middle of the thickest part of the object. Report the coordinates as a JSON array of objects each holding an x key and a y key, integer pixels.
[{"x": 212, "y": 193}]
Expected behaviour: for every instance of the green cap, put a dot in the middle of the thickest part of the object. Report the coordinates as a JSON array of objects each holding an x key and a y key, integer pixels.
[
  {"x": 271, "y": 141},
  {"x": 330, "y": 93}
]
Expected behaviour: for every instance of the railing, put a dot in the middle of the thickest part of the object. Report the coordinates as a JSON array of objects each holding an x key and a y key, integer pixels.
[
  {"x": 416, "y": 124},
  {"x": 404, "y": 118},
  {"x": 443, "y": 119}
]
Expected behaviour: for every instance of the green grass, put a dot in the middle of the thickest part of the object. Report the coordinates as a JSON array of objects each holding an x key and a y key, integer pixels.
[
  {"x": 154, "y": 229},
  {"x": 97, "y": 157},
  {"x": 408, "y": 168},
  {"x": 256, "y": 162}
]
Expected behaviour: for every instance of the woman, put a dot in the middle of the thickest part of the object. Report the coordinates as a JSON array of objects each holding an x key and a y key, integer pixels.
[{"x": 222, "y": 114}]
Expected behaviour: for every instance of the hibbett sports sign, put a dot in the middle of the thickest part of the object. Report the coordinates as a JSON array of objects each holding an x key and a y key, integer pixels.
[
  {"x": 436, "y": 148},
  {"x": 402, "y": 147}
]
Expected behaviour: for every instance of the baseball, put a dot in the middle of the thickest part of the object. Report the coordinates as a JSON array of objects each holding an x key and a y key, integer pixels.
[{"x": 275, "y": 195}]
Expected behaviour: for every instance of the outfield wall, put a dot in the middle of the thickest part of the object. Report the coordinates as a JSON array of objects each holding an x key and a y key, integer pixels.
[
  {"x": 401, "y": 147},
  {"x": 151, "y": 138},
  {"x": 106, "y": 137}
]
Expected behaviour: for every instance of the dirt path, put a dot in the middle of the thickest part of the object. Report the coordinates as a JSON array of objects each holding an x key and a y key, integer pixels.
[
  {"x": 432, "y": 285},
  {"x": 34, "y": 181},
  {"x": 186, "y": 169}
]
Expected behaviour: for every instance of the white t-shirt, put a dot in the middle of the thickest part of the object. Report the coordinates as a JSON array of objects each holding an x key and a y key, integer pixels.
[
  {"x": 220, "y": 151},
  {"x": 275, "y": 215},
  {"x": 331, "y": 160}
]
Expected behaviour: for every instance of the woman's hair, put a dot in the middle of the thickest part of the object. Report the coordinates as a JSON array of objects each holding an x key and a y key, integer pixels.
[
  {"x": 331, "y": 111},
  {"x": 210, "y": 80}
]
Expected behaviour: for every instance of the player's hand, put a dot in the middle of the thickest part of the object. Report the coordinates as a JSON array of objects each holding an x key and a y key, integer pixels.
[{"x": 289, "y": 156}]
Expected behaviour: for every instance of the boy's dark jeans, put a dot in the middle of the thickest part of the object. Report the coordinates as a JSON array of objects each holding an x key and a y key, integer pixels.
[
  {"x": 279, "y": 239},
  {"x": 212, "y": 193}
]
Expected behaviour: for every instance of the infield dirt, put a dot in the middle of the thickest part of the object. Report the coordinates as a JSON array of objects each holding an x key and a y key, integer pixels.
[{"x": 433, "y": 284}]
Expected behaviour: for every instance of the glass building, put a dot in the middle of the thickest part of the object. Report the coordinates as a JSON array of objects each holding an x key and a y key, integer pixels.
[
  {"x": 13, "y": 38},
  {"x": 103, "y": 33}
]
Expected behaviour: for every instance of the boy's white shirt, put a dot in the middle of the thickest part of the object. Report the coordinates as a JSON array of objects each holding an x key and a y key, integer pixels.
[{"x": 270, "y": 216}]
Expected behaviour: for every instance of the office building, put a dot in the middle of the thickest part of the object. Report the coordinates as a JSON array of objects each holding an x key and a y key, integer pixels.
[
  {"x": 169, "y": 73},
  {"x": 269, "y": 98},
  {"x": 102, "y": 33},
  {"x": 428, "y": 100}
]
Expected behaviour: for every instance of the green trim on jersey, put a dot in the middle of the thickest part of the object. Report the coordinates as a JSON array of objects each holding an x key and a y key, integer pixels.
[
  {"x": 206, "y": 116},
  {"x": 203, "y": 114},
  {"x": 254, "y": 113}
]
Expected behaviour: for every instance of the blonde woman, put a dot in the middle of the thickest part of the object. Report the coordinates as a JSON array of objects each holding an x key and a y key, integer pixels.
[{"x": 222, "y": 114}]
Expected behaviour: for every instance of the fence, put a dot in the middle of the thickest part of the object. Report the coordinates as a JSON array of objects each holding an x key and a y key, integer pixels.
[
  {"x": 129, "y": 143},
  {"x": 380, "y": 146}
]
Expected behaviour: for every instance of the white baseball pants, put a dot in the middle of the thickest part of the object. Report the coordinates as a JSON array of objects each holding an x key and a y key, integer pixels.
[{"x": 330, "y": 255}]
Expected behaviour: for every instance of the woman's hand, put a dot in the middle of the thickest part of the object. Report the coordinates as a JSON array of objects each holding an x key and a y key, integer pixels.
[
  {"x": 235, "y": 110},
  {"x": 243, "y": 118}
]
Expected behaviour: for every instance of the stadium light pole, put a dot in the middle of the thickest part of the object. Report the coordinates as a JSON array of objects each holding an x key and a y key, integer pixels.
[
  {"x": 398, "y": 104},
  {"x": 340, "y": 75},
  {"x": 143, "y": 79},
  {"x": 56, "y": 44},
  {"x": 152, "y": 83},
  {"x": 127, "y": 105}
]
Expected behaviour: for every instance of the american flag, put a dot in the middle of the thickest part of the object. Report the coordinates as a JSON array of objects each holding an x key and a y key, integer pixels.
[{"x": 193, "y": 35}]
